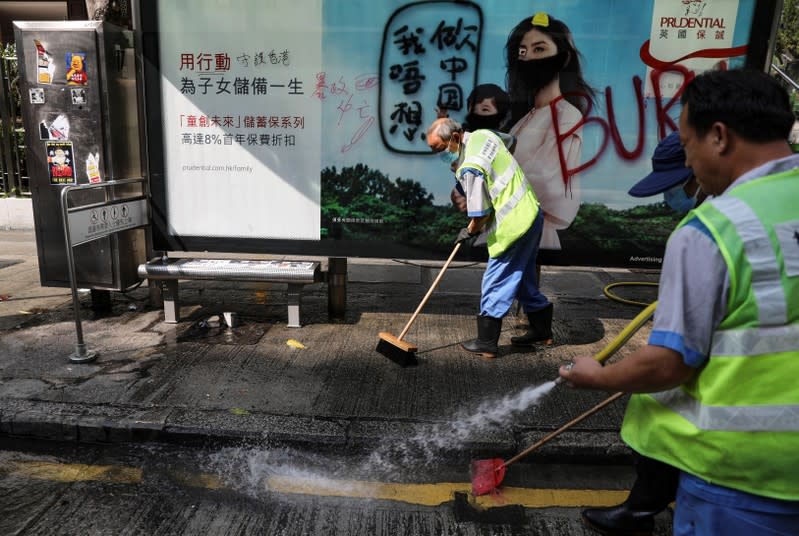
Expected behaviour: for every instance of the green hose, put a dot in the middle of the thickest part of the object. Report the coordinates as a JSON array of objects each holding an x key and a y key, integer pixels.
[
  {"x": 636, "y": 323},
  {"x": 625, "y": 334},
  {"x": 617, "y": 298}
]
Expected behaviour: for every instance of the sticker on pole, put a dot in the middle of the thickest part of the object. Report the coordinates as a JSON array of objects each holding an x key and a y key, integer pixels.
[{"x": 60, "y": 162}]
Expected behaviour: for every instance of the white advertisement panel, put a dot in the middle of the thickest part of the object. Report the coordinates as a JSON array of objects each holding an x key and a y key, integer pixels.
[
  {"x": 695, "y": 35},
  {"x": 242, "y": 140}
]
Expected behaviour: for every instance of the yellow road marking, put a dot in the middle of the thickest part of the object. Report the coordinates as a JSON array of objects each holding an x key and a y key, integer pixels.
[
  {"x": 554, "y": 497},
  {"x": 198, "y": 480},
  {"x": 434, "y": 494},
  {"x": 77, "y": 472},
  {"x": 439, "y": 493}
]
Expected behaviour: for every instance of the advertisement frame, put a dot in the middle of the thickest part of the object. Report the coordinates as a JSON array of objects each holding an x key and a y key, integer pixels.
[{"x": 146, "y": 27}]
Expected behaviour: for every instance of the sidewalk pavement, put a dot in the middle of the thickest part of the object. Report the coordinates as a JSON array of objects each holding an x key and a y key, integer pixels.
[
  {"x": 185, "y": 382},
  {"x": 16, "y": 214}
]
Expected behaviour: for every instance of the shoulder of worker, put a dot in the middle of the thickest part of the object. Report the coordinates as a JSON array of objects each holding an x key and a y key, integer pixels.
[
  {"x": 485, "y": 137},
  {"x": 691, "y": 235},
  {"x": 508, "y": 140}
]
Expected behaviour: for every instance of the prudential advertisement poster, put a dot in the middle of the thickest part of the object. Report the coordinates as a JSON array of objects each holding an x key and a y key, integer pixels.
[{"x": 305, "y": 121}]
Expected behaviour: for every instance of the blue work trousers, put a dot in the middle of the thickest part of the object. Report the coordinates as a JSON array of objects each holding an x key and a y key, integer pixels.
[
  {"x": 731, "y": 513},
  {"x": 512, "y": 275}
]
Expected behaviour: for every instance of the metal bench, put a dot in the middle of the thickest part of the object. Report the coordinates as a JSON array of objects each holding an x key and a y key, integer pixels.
[{"x": 169, "y": 271}]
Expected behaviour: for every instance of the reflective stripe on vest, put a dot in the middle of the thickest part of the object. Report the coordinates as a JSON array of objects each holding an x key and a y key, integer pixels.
[
  {"x": 478, "y": 162},
  {"x": 755, "y": 341},
  {"x": 510, "y": 205},
  {"x": 502, "y": 181},
  {"x": 760, "y": 253},
  {"x": 761, "y": 418}
]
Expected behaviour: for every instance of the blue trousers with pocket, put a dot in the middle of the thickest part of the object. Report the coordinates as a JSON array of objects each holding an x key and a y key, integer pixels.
[
  {"x": 512, "y": 275},
  {"x": 707, "y": 510}
]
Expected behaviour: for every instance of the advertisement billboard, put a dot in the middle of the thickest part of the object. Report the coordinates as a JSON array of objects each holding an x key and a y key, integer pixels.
[{"x": 300, "y": 127}]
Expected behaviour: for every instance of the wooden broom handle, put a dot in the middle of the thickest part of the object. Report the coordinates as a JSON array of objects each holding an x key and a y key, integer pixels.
[
  {"x": 563, "y": 428},
  {"x": 430, "y": 291}
]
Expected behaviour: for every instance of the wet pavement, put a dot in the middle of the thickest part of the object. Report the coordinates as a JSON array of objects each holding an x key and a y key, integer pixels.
[
  {"x": 146, "y": 488},
  {"x": 189, "y": 382}
]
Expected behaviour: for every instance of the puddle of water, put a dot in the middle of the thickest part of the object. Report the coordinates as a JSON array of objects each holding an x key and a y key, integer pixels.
[{"x": 247, "y": 469}]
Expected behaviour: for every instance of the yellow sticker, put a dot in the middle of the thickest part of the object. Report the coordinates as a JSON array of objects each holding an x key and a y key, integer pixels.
[
  {"x": 239, "y": 411},
  {"x": 541, "y": 19},
  {"x": 295, "y": 343}
]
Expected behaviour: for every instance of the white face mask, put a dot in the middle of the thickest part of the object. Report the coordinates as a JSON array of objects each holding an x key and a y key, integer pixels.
[
  {"x": 676, "y": 198},
  {"x": 448, "y": 157}
]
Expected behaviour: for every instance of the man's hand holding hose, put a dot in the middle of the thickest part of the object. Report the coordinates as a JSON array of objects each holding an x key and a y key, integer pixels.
[{"x": 582, "y": 373}]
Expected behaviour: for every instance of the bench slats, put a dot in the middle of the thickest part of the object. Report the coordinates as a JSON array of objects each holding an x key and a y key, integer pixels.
[
  {"x": 169, "y": 271},
  {"x": 233, "y": 270}
]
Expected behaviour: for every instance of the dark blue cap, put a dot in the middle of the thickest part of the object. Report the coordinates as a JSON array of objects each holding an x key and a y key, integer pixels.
[{"x": 668, "y": 168}]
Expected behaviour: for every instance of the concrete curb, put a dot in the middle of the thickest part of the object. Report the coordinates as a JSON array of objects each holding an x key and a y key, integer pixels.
[{"x": 186, "y": 426}]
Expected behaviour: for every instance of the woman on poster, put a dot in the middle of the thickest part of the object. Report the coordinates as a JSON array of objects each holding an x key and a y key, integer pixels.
[{"x": 548, "y": 98}]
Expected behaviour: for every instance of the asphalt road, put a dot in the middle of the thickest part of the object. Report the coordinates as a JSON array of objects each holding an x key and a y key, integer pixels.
[{"x": 155, "y": 489}]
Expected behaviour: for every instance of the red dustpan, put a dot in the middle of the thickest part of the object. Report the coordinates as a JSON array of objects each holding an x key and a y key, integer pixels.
[{"x": 487, "y": 475}]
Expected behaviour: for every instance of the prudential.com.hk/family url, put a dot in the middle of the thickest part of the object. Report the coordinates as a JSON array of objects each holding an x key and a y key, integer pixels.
[{"x": 217, "y": 168}]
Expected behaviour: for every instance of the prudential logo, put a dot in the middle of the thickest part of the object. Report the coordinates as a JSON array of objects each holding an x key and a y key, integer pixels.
[{"x": 694, "y": 8}]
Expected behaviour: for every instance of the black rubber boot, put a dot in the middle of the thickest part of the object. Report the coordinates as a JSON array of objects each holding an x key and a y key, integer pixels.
[
  {"x": 485, "y": 344},
  {"x": 540, "y": 330},
  {"x": 620, "y": 520},
  {"x": 655, "y": 487}
]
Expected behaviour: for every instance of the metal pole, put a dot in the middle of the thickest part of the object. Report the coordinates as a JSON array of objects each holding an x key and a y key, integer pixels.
[
  {"x": 81, "y": 354},
  {"x": 337, "y": 288},
  {"x": 8, "y": 135},
  {"x": 18, "y": 178}
]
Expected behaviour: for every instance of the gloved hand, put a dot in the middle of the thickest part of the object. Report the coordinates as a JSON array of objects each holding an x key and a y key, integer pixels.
[{"x": 464, "y": 234}]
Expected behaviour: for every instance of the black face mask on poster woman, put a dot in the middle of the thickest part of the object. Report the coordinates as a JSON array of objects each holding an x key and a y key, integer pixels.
[
  {"x": 476, "y": 122},
  {"x": 539, "y": 72}
]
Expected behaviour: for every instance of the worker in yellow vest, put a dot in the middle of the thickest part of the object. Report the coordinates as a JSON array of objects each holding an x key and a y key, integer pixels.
[
  {"x": 717, "y": 391},
  {"x": 501, "y": 204}
]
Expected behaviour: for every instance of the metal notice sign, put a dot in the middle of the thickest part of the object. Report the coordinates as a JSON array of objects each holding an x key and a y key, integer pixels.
[
  {"x": 98, "y": 221},
  {"x": 83, "y": 224}
]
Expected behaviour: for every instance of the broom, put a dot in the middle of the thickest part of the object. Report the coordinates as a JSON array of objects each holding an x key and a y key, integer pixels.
[
  {"x": 487, "y": 475},
  {"x": 401, "y": 352}
]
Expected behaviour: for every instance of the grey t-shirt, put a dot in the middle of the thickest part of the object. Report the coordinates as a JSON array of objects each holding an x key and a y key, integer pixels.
[{"x": 694, "y": 282}]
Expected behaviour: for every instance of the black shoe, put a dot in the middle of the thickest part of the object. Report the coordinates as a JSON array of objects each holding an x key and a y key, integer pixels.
[
  {"x": 488, "y": 329},
  {"x": 540, "y": 330},
  {"x": 620, "y": 520}
]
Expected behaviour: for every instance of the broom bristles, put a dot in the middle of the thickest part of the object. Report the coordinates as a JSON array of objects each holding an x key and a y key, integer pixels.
[
  {"x": 399, "y": 351},
  {"x": 399, "y": 343}
]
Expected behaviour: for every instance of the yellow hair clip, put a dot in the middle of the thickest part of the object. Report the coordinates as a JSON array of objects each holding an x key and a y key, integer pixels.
[{"x": 541, "y": 19}]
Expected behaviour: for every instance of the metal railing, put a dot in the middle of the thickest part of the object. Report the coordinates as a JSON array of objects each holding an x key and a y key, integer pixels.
[
  {"x": 14, "y": 179},
  {"x": 87, "y": 233},
  {"x": 785, "y": 78}
]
